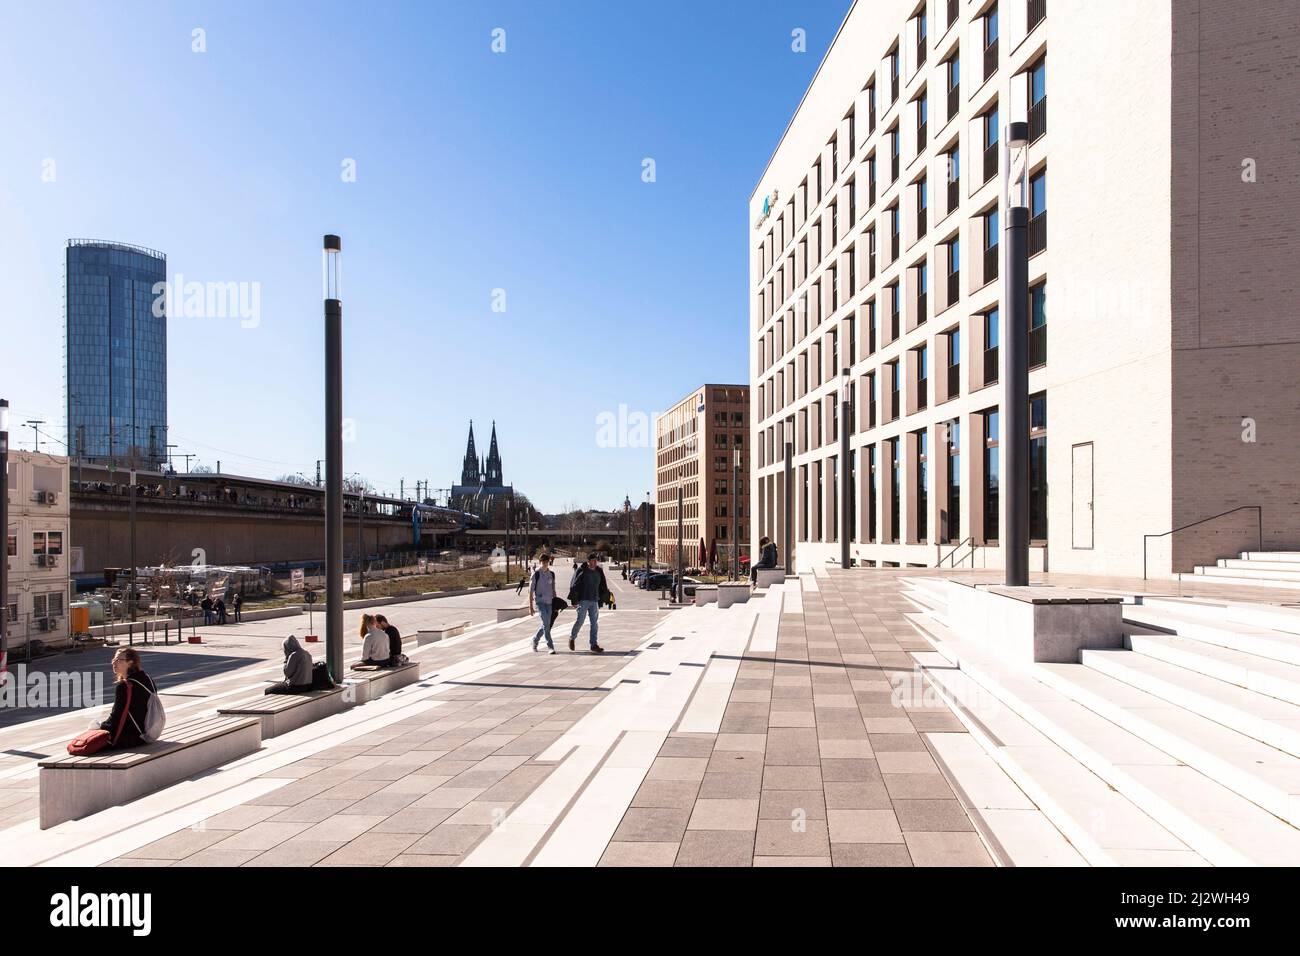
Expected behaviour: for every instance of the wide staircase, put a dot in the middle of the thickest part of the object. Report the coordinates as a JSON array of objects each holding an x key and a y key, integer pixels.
[
  {"x": 1182, "y": 748},
  {"x": 1267, "y": 569}
]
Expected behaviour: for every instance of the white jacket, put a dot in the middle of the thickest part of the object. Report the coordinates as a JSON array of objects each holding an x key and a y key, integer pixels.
[{"x": 375, "y": 645}]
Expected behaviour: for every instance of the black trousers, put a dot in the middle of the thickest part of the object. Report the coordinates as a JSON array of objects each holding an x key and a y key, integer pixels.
[{"x": 286, "y": 688}]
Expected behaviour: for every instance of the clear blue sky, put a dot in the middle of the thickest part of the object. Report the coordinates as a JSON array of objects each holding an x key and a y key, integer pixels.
[{"x": 475, "y": 171}]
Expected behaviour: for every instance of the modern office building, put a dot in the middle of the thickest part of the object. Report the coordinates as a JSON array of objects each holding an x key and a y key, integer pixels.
[
  {"x": 38, "y": 549},
  {"x": 1164, "y": 325},
  {"x": 699, "y": 444},
  {"x": 116, "y": 326}
]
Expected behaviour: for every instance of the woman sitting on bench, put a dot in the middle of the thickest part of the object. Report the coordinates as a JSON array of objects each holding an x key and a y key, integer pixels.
[
  {"x": 374, "y": 643},
  {"x": 126, "y": 723},
  {"x": 297, "y": 669}
]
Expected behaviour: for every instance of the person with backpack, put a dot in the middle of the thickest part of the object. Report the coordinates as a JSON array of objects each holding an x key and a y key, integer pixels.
[
  {"x": 128, "y": 724},
  {"x": 587, "y": 593},
  {"x": 297, "y": 669},
  {"x": 541, "y": 597}
]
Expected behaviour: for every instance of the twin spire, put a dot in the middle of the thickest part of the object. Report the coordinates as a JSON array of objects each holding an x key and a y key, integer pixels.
[{"x": 476, "y": 471}]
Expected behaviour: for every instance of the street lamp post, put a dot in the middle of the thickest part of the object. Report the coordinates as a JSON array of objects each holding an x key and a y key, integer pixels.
[
  {"x": 1015, "y": 410},
  {"x": 333, "y": 289},
  {"x": 647, "y": 533},
  {"x": 4, "y": 524},
  {"x": 846, "y": 485},
  {"x": 680, "y": 597},
  {"x": 788, "y": 543}
]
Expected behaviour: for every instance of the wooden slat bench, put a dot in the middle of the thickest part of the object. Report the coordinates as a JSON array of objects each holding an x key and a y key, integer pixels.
[
  {"x": 369, "y": 681},
  {"x": 435, "y": 634},
  {"x": 75, "y": 787},
  {"x": 281, "y": 713}
]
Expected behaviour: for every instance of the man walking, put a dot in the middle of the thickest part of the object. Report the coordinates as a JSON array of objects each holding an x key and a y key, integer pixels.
[
  {"x": 587, "y": 593},
  {"x": 541, "y": 594}
]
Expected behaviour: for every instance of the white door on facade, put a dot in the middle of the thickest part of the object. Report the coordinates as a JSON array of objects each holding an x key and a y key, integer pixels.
[{"x": 1081, "y": 495}]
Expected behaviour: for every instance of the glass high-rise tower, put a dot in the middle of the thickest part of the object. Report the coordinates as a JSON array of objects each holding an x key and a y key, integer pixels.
[{"x": 116, "y": 324}]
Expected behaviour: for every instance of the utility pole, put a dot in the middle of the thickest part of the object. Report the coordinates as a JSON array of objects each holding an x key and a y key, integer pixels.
[
  {"x": 333, "y": 275},
  {"x": 1015, "y": 399},
  {"x": 187, "y": 462},
  {"x": 680, "y": 597},
  {"x": 647, "y": 532},
  {"x": 131, "y": 598},
  {"x": 170, "y": 467},
  {"x": 35, "y": 425},
  {"x": 789, "y": 507},
  {"x": 361, "y": 540}
]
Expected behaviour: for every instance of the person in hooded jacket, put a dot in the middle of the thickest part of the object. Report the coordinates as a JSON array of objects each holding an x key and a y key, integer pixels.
[
  {"x": 126, "y": 722},
  {"x": 297, "y": 669}
]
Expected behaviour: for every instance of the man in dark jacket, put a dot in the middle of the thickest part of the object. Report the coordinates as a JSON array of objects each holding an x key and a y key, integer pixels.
[
  {"x": 207, "y": 610},
  {"x": 394, "y": 638},
  {"x": 587, "y": 593},
  {"x": 297, "y": 669}
]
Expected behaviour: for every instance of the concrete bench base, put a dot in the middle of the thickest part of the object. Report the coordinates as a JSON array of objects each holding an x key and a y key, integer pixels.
[
  {"x": 706, "y": 594},
  {"x": 281, "y": 713},
  {"x": 769, "y": 576},
  {"x": 433, "y": 635},
  {"x": 729, "y": 594},
  {"x": 75, "y": 787},
  {"x": 1040, "y": 624},
  {"x": 369, "y": 683},
  {"x": 511, "y": 613}
]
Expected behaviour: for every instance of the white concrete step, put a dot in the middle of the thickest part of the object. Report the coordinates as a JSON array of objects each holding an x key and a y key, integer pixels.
[
  {"x": 1256, "y": 564},
  {"x": 1249, "y": 573},
  {"x": 1103, "y": 826},
  {"x": 1254, "y": 615},
  {"x": 927, "y": 600},
  {"x": 1291, "y": 556},
  {"x": 1260, "y": 674},
  {"x": 1201, "y": 578},
  {"x": 936, "y": 588},
  {"x": 1218, "y": 632},
  {"x": 1274, "y": 722},
  {"x": 1262, "y": 774}
]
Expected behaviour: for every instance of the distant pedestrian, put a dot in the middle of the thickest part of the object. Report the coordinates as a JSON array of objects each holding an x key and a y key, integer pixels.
[
  {"x": 238, "y": 602},
  {"x": 207, "y": 610},
  {"x": 587, "y": 593},
  {"x": 221, "y": 610},
  {"x": 522, "y": 581},
  {"x": 541, "y": 595}
]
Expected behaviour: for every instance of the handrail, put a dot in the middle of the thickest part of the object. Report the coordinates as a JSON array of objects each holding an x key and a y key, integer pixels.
[
  {"x": 960, "y": 545},
  {"x": 1260, "y": 531}
]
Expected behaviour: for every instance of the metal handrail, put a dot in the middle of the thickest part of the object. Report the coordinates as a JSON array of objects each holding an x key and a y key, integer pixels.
[
  {"x": 960, "y": 544},
  {"x": 1260, "y": 531}
]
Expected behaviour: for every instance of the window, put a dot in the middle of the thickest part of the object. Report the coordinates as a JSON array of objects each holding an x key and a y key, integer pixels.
[
  {"x": 991, "y": 245},
  {"x": 1038, "y": 325},
  {"x": 871, "y": 400},
  {"x": 954, "y": 270},
  {"x": 991, "y": 475},
  {"x": 922, "y": 122},
  {"x": 922, "y": 206},
  {"x": 893, "y": 76},
  {"x": 835, "y": 159},
  {"x": 1037, "y": 11},
  {"x": 954, "y": 179},
  {"x": 991, "y": 335},
  {"x": 991, "y": 42},
  {"x": 894, "y": 230},
  {"x": 922, "y": 441},
  {"x": 871, "y": 253},
  {"x": 853, "y": 134},
  {"x": 990, "y": 144},
  {"x": 871, "y": 180},
  {"x": 952, "y": 529},
  {"x": 853, "y": 202},
  {"x": 871, "y": 107},
  {"x": 893, "y": 490},
  {"x": 922, "y": 377},
  {"x": 1038, "y": 212},
  {"x": 894, "y": 306},
  {"x": 1038, "y": 467},
  {"x": 893, "y": 154},
  {"x": 894, "y": 385},
  {"x": 953, "y": 69},
  {"x": 853, "y": 272},
  {"x": 1038, "y": 99},
  {"x": 922, "y": 292},
  {"x": 871, "y": 492},
  {"x": 954, "y": 363},
  {"x": 817, "y": 502},
  {"x": 920, "y": 38}
]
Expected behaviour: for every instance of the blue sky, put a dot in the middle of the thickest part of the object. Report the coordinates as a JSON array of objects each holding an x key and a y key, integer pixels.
[{"x": 475, "y": 171}]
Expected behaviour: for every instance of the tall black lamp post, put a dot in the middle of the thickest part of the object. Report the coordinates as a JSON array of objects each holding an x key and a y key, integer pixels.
[
  {"x": 333, "y": 282},
  {"x": 1015, "y": 406}
]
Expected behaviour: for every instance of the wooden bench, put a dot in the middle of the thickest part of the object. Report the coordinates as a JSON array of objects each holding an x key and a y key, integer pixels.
[
  {"x": 736, "y": 593},
  {"x": 433, "y": 635},
  {"x": 366, "y": 682},
  {"x": 706, "y": 594},
  {"x": 75, "y": 787},
  {"x": 281, "y": 713},
  {"x": 511, "y": 613}
]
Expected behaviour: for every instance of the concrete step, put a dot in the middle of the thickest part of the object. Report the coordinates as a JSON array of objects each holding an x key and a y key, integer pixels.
[
  {"x": 1105, "y": 827},
  {"x": 1253, "y": 615},
  {"x": 1262, "y": 774},
  {"x": 1292, "y": 556},
  {"x": 1248, "y": 573},
  {"x": 1254, "y": 564},
  {"x": 1261, "y": 674},
  {"x": 1266, "y": 719},
  {"x": 927, "y": 600},
  {"x": 1219, "y": 632},
  {"x": 936, "y": 588},
  {"x": 1231, "y": 577}
]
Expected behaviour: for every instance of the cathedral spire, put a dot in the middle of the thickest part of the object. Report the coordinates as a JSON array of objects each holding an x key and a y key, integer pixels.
[
  {"x": 493, "y": 468},
  {"x": 469, "y": 471}
]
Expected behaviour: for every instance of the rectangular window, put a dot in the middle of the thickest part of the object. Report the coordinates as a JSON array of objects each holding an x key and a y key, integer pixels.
[
  {"x": 893, "y": 490},
  {"x": 871, "y": 492},
  {"x": 954, "y": 179},
  {"x": 922, "y": 206},
  {"x": 954, "y": 86},
  {"x": 952, "y": 499},
  {"x": 922, "y": 122},
  {"x": 1038, "y": 325},
  {"x": 922, "y": 442},
  {"x": 990, "y": 144},
  {"x": 1038, "y": 467},
  {"x": 991, "y": 334},
  {"x": 991, "y": 475},
  {"x": 991, "y": 245},
  {"x": 1038, "y": 212},
  {"x": 990, "y": 42},
  {"x": 1038, "y": 99}
]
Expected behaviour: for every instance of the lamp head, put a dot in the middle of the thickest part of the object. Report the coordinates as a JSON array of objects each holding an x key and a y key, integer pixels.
[{"x": 332, "y": 268}]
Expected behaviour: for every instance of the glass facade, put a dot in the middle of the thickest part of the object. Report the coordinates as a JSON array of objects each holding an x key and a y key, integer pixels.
[{"x": 116, "y": 327}]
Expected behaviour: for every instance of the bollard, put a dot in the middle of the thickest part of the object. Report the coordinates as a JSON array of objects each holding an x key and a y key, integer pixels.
[{"x": 130, "y": 635}]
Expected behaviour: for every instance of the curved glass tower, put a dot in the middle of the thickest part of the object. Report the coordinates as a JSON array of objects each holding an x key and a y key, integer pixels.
[{"x": 116, "y": 319}]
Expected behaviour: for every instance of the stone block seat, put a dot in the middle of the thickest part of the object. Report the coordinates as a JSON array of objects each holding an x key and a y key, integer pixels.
[
  {"x": 74, "y": 787},
  {"x": 706, "y": 594},
  {"x": 281, "y": 713},
  {"x": 736, "y": 592},
  {"x": 369, "y": 681},
  {"x": 434, "y": 634},
  {"x": 511, "y": 613},
  {"x": 766, "y": 577}
]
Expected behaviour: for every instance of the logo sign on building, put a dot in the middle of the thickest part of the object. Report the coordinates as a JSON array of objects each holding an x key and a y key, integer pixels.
[
  {"x": 769, "y": 204},
  {"x": 297, "y": 579},
  {"x": 347, "y": 584}
]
